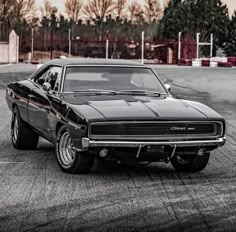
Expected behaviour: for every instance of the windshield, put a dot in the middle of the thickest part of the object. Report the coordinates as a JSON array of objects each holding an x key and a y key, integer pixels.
[{"x": 126, "y": 79}]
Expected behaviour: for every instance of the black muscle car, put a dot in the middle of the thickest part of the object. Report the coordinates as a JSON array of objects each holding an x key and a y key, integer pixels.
[{"x": 111, "y": 109}]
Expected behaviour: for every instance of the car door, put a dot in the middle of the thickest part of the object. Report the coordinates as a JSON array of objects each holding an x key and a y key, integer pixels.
[{"x": 39, "y": 106}]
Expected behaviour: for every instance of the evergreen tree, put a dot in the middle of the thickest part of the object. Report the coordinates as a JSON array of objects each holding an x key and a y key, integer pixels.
[
  {"x": 169, "y": 24},
  {"x": 231, "y": 41},
  {"x": 195, "y": 16}
]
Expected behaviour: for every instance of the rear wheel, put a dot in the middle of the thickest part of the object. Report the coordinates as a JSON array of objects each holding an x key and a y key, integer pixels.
[
  {"x": 22, "y": 135},
  {"x": 187, "y": 163},
  {"x": 70, "y": 160}
]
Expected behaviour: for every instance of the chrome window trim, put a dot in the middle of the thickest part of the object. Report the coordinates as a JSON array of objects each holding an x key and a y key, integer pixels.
[
  {"x": 180, "y": 136},
  {"x": 50, "y": 66}
]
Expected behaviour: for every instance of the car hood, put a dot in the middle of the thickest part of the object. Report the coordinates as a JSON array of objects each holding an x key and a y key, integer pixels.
[{"x": 130, "y": 107}]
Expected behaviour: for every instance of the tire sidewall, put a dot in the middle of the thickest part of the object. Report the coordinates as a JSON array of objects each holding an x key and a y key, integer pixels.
[
  {"x": 15, "y": 114},
  {"x": 195, "y": 163}
]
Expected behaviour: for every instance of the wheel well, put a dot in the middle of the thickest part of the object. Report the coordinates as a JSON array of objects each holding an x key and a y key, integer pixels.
[{"x": 59, "y": 125}]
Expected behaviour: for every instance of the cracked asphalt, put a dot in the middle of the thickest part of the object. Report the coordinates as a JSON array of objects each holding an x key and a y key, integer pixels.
[{"x": 35, "y": 195}]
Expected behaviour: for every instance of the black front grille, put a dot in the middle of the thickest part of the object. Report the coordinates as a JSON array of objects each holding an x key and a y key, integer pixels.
[
  {"x": 150, "y": 129},
  {"x": 154, "y": 129},
  {"x": 200, "y": 129},
  {"x": 109, "y": 129}
]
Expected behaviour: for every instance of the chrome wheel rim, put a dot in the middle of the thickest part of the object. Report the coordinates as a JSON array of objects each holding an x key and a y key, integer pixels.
[
  {"x": 15, "y": 128},
  {"x": 66, "y": 153}
]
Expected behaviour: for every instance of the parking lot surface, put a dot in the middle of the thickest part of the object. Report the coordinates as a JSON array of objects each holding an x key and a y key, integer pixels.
[{"x": 35, "y": 195}]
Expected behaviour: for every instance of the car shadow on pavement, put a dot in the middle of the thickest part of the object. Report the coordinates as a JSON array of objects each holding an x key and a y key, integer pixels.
[{"x": 45, "y": 153}]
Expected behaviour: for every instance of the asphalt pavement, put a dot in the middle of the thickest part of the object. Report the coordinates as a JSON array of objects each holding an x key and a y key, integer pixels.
[{"x": 35, "y": 195}]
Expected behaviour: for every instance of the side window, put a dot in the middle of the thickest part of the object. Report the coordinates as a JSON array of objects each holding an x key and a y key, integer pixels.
[
  {"x": 54, "y": 77},
  {"x": 42, "y": 77}
]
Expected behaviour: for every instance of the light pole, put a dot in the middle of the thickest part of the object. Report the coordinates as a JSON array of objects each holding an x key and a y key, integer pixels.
[
  {"x": 69, "y": 38},
  {"x": 211, "y": 51},
  {"x": 179, "y": 46},
  {"x": 32, "y": 44},
  {"x": 107, "y": 44},
  {"x": 142, "y": 49},
  {"x": 198, "y": 34}
]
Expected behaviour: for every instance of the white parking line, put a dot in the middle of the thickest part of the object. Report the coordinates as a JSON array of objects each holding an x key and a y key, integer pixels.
[
  {"x": 5, "y": 65},
  {"x": 10, "y": 162}
]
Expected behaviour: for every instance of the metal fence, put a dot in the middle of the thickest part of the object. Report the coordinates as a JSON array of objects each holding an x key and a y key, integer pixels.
[{"x": 49, "y": 44}]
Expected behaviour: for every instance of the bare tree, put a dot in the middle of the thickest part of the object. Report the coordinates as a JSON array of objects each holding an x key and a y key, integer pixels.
[
  {"x": 73, "y": 9},
  {"x": 15, "y": 11},
  {"x": 152, "y": 10},
  {"x": 24, "y": 9},
  {"x": 6, "y": 7},
  {"x": 48, "y": 9},
  {"x": 135, "y": 11},
  {"x": 120, "y": 6},
  {"x": 98, "y": 8},
  {"x": 97, "y": 11}
]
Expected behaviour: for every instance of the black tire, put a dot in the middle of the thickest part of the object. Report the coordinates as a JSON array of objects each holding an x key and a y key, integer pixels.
[
  {"x": 69, "y": 160},
  {"x": 22, "y": 135},
  {"x": 189, "y": 163}
]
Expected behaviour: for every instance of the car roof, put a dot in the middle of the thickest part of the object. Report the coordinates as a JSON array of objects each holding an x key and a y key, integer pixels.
[{"x": 93, "y": 61}]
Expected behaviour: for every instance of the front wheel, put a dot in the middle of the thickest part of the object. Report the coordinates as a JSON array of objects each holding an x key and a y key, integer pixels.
[
  {"x": 187, "y": 163},
  {"x": 70, "y": 160}
]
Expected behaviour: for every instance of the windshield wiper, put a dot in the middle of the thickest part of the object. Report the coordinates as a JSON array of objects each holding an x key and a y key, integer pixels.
[
  {"x": 139, "y": 92},
  {"x": 95, "y": 91}
]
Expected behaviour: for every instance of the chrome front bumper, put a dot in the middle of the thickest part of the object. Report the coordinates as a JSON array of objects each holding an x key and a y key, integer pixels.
[{"x": 87, "y": 143}]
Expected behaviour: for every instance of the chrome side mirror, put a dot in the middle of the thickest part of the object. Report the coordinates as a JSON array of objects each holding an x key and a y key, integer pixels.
[
  {"x": 47, "y": 86},
  {"x": 168, "y": 87}
]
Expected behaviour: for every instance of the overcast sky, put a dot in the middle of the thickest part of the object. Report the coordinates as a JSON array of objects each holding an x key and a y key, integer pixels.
[{"x": 60, "y": 4}]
